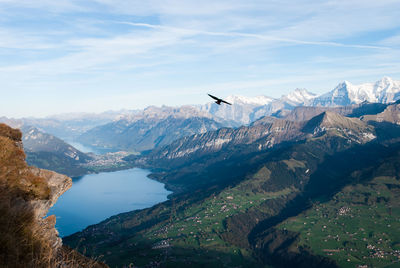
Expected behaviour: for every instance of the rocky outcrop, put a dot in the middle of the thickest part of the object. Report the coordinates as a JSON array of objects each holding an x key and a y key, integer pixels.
[
  {"x": 58, "y": 184},
  {"x": 28, "y": 237},
  {"x": 42, "y": 226}
]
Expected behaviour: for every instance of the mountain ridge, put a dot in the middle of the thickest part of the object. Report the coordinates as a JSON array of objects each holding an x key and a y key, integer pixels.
[
  {"x": 213, "y": 147},
  {"x": 116, "y": 130},
  {"x": 244, "y": 111},
  {"x": 231, "y": 200}
]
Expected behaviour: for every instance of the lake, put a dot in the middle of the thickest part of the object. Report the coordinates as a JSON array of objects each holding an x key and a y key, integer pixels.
[{"x": 95, "y": 197}]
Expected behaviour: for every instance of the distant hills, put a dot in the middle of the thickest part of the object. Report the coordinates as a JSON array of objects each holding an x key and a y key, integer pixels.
[
  {"x": 46, "y": 151},
  {"x": 66, "y": 126},
  {"x": 49, "y": 152},
  {"x": 151, "y": 128}
]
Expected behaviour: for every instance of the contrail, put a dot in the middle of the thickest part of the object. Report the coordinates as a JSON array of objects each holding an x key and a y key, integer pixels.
[{"x": 256, "y": 36}]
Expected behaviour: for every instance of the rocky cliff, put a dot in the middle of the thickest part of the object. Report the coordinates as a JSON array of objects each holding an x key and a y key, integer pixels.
[{"x": 28, "y": 237}]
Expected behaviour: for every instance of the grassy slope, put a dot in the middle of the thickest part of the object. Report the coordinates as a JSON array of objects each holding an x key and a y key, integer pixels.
[{"x": 359, "y": 225}]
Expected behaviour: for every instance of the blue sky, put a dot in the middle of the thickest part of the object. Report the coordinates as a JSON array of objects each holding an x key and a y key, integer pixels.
[{"x": 73, "y": 56}]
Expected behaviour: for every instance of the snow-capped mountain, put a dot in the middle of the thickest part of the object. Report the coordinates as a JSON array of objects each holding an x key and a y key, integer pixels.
[
  {"x": 298, "y": 96},
  {"x": 248, "y": 109},
  {"x": 385, "y": 90},
  {"x": 258, "y": 100},
  {"x": 240, "y": 112}
]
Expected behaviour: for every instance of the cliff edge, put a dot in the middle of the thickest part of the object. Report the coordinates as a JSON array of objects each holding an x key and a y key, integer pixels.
[{"x": 27, "y": 237}]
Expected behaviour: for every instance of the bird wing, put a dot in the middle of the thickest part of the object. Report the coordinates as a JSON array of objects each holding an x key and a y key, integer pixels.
[
  {"x": 215, "y": 98},
  {"x": 226, "y": 102}
]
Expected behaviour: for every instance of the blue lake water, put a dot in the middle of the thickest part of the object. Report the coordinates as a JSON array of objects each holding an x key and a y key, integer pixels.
[{"x": 95, "y": 197}]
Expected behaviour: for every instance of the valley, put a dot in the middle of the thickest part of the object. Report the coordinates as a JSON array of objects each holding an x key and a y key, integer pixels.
[
  {"x": 247, "y": 196},
  {"x": 285, "y": 190}
]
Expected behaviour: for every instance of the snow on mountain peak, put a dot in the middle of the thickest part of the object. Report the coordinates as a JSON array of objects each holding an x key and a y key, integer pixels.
[
  {"x": 258, "y": 100},
  {"x": 387, "y": 84},
  {"x": 299, "y": 95},
  {"x": 385, "y": 90},
  {"x": 386, "y": 79}
]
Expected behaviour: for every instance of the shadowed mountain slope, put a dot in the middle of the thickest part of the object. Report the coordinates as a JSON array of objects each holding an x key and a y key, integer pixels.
[{"x": 47, "y": 151}]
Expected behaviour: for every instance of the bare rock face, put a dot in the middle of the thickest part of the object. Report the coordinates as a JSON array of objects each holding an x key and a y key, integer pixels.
[{"x": 58, "y": 185}]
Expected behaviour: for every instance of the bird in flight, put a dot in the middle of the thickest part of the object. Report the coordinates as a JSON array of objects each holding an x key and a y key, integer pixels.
[{"x": 218, "y": 100}]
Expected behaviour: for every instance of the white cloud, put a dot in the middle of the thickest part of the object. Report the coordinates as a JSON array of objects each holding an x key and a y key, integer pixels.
[
  {"x": 59, "y": 6},
  {"x": 187, "y": 45}
]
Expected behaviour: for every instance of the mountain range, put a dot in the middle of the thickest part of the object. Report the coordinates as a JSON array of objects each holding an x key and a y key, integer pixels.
[
  {"x": 260, "y": 136},
  {"x": 246, "y": 110},
  {"x": 155, "y": 127},
  {"x": 258, "y": 195},
  {"x": 66, "y": 126},
  {"x": 385, "y": 90},
  {"x": 142, "y": 130}
]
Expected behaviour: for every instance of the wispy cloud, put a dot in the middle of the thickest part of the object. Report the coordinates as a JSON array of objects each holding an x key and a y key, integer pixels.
[
  {"x": 185, "y": 31},
  {"x": 88, "y": 47},
  {"x": 59, "y": 6}
]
